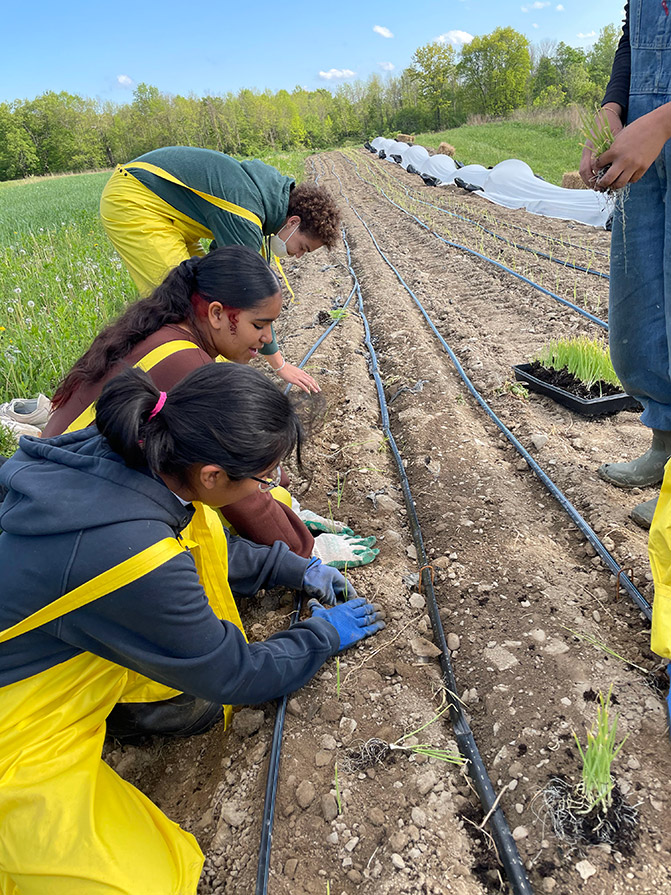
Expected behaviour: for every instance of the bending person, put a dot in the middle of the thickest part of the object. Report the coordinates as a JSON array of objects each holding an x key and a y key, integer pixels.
[
  {"x": 639, "y": 315},
  {"x": 221, "y": 304},
  {"x": 158, "y": 207},
  {"x": 97, "y": 582}
]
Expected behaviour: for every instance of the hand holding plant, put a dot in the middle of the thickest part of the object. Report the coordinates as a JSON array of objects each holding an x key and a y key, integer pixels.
[
  {"x": 599, "y": 135},
  {"x": 634, "y": 149}
]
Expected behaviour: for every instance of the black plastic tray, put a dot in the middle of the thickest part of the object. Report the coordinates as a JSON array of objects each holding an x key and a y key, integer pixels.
[{"x": 584, "y": 406}]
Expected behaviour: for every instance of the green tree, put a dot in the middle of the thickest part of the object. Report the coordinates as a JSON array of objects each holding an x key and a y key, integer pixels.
[
  {"x": 600, "y": 56},
  {"x": 433, "y": 68},
  {"x": 495, "y": 69}
]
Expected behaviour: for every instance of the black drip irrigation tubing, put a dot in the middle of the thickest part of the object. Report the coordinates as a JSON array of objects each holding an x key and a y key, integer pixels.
[
  {"x": 609, "y": 561},
  {"x": 272, "y": 779},
  {"x": 263, "y": 866},
  {"x": 505, "y": 844},
  {"x": 461, "y": 217},
  {"x": 456, "y": 245},
  {"x": 545, "y": 236}
]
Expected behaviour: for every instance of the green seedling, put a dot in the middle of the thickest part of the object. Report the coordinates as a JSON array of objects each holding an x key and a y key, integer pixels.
[
  {"x": 596, "y": 132},
  {"x": 338, "y": 676},
  {"x": 338, "y": 313},
  {"x": 375, "y": 751},
  {"x": 337, "y": 788},
  {"x": 516, "y": 389},
  {"x": 587, "y": 359},
  {"x": 598, "y": 756},
  {"x": 589, "y": 638}
]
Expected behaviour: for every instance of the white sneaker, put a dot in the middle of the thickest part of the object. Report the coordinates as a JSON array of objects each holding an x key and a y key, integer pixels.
[
  {"x": 33, "y": 411},
  {"x": 19, "y": 428}
]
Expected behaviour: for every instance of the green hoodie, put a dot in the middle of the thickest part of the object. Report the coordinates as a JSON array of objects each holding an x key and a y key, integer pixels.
[{"x": 253, "y": 185}]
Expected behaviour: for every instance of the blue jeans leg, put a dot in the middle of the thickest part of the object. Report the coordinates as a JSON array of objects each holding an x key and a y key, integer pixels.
[{"x": 640, "y": 294}]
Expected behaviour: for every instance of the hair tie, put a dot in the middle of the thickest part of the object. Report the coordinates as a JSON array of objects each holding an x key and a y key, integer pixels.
[{"x": 158, "y": 406}]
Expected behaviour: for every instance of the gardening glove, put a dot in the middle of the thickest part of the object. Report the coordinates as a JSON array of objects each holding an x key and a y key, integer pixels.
[
  {"x": 342, "y": 551},
  {"x": 326, "y": 583},
  {"x": 316, "y": 524},
  {"x": 353, "y": 620}
]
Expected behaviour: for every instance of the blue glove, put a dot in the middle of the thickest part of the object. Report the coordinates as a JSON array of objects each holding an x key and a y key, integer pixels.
[
  {"x": 326, "y": 583},
  {"x": 353, "y": 620}
]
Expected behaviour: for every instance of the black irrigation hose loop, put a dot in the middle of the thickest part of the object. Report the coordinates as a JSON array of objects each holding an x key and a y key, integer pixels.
[
  {"x": 545, "y": 236},
  {"x": 263, "y": 866},
  {"x": 519, "y": 276},
  {"x": 516, "y": 245},
  {"x": 505, "y": 844},
  {"x": 609, "y": 561}
]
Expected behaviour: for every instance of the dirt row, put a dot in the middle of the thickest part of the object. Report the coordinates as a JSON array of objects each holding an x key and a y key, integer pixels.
[{"x": 513, "y": 578}]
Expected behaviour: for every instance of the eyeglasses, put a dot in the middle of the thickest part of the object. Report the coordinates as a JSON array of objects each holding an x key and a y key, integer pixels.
[{"x": 269, "y": 484}]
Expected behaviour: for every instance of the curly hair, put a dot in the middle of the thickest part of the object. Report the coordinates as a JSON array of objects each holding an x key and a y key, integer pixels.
[{"x": 318, "y": 211}]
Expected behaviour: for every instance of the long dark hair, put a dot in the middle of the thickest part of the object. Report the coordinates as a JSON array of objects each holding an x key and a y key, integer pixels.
[
  {"x": 234, "y": 275},
  {"x": 226, "y": 414}
]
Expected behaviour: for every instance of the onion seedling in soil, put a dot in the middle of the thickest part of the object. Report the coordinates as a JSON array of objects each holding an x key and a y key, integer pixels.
[
  {"x": 594, "y": 811},
  {"x": 374, "y": 751}
]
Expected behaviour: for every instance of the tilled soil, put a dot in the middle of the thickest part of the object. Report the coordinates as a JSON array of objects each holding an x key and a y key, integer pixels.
[{"x": 514, "y": 579}]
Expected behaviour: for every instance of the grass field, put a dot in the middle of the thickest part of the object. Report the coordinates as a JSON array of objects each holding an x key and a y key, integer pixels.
[{"x": 549, "y": 149}]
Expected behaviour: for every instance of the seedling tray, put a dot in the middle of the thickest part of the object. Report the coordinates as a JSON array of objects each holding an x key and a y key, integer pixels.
[{"x": 584, "y": 406}]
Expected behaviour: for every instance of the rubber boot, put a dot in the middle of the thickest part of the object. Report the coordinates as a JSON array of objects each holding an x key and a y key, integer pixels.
[
  {"x": 646, "y": 470},
  {"x": 181, "y": 716},
  {"x": 643, "y": 513}
]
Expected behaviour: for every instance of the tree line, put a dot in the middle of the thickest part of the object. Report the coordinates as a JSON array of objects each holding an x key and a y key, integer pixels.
[{"x": 442, "y": 88}]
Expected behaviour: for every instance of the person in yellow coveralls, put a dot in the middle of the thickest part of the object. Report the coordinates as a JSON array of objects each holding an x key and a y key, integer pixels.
[
  {"x": 659, "y": 552},
  {"x": 97, "y": 584},
  {"x": 157, "y": 208}
]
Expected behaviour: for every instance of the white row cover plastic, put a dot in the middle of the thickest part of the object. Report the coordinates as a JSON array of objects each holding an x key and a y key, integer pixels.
[{"x": 510, "y": 183}]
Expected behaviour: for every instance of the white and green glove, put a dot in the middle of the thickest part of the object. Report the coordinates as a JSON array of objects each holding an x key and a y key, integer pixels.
[
  {"x": 317, "y": 524},
  {"x": 342, "y": 551}
]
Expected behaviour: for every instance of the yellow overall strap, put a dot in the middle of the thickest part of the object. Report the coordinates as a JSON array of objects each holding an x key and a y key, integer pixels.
[
  {"x": 145, "y": 363},
  {"x": 118, "y": 576},
  {"x": 213, "y": 200}
]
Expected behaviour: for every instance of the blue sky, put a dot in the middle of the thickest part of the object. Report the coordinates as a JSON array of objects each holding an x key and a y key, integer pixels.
[{"x": 220, "y": 46}]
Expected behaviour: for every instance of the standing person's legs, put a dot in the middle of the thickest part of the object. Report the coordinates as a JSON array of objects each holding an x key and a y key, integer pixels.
[{"x": 640, "y": 321}]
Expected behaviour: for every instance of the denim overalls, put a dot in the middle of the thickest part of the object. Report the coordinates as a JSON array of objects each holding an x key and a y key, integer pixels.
[{"x": 640, "y": 286}]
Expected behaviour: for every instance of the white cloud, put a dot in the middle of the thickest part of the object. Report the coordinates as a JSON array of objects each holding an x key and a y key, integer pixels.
[
  {"x": 387, "y": 66},
  {"x": 336, "y": 73},
  {"x": 559, "y": 7},
  {"x": 124, "y": 80},
  {"x": 382, "y": 31},
  {"x": 456, "y": 38},
  {"x": 586, "y": 36},
  {"x": 539, "y": 4},
  {"x": 534, "y": 25}
]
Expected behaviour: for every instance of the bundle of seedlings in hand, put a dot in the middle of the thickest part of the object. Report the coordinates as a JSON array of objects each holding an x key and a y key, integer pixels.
[
  {"x": 598, "y": 136},
  {"x": 376, "y": 751},
  {"x": 594, "y": 810},
  {"x": 586, "y": 359}
]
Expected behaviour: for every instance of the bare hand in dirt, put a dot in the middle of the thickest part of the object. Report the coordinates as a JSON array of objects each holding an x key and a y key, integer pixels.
[
  {"x": 588, "y": 163},
  {"x": 296, "y": 376},
  {"x": 634, "y": 149}
]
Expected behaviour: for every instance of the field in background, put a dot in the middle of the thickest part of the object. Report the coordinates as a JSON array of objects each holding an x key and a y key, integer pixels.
[{"x": 549, "y": 149}]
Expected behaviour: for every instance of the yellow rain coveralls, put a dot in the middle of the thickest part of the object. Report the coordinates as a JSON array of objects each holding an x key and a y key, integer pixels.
[
  {"x": 69, "y": 825},
  {"x": 659, "y": 551}
]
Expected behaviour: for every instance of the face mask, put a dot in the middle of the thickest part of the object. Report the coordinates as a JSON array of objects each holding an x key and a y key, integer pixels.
[{"x": 279, "y": 246}]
